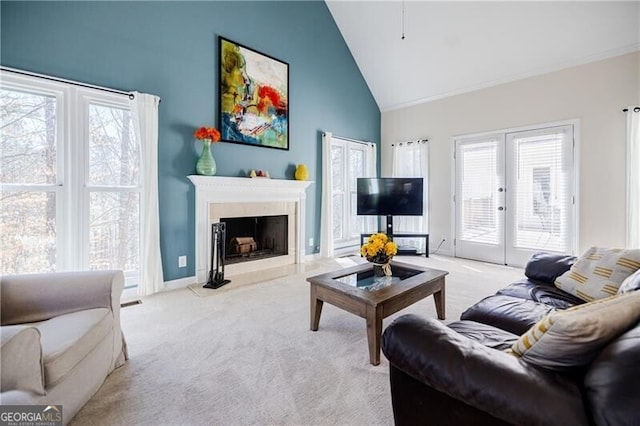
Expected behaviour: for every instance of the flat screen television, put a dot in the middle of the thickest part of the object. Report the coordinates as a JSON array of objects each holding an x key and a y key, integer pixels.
[{"x": 390, "y": 196}]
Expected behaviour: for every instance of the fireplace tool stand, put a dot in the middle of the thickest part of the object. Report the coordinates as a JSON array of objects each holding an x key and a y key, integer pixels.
[{"x": 218, "y": 234}]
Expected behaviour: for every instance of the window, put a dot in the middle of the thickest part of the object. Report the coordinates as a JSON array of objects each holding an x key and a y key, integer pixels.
[
  {"x": 411, "y": 159},
  {"x": 70, "y": 176},
  {"x": 348, "y": 163},
  {"x": 112, "y": 189}
]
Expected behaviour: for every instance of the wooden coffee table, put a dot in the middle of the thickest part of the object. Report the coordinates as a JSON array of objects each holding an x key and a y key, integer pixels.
[{"x": 356, "y": 290}]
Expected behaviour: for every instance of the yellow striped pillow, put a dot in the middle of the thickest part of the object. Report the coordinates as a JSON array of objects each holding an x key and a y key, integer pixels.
[
  {"x": 599, "y": 272},
  {"x": 573, "y": 337}
]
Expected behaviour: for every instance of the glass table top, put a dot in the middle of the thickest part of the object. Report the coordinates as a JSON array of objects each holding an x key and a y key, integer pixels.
[{"x": 368, "y": 281}]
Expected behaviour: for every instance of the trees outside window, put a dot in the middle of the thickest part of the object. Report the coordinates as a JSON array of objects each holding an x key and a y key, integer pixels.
[{"x": 70, "y": 179}]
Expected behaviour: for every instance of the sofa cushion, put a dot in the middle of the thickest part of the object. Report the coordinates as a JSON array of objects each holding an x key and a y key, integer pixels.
[
  {"x": 540, "y": 292},
  {"x": 511, "y": 314},
  {"x": 21, "y": 359},
  {"x": 599, "y": 272},
  {"x": 611, "y": 384},
  {"x": 546, "y": 267},
  {"x": 68, "y": 338},
  {"x": 631, "y": 283},
  {"x": 572, "y": 338},
  {"x": 486, "y": 335}
]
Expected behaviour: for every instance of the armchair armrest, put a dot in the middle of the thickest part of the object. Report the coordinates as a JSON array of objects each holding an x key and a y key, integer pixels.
[
  {"x": 21, "y": 366},
  {"x": 486, "y": 379},
  {"x": 38, "y": 297}
]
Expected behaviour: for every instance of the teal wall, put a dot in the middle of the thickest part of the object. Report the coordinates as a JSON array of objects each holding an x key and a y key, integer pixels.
[{"x": 170, "y": 49}]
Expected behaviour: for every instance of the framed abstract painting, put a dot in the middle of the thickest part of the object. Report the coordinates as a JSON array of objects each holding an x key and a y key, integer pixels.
[{"x": 254, "y": 97}]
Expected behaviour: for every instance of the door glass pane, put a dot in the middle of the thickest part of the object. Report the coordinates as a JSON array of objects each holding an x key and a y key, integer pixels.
[
  {"x": 542, "y": 193},
  {"x": 479, "y": 185},
  {"x": 27, "y": 138},
  {"x": 27, "y": 232},
  {"x": 114, "y": 230},
  {"x": 114, "y": 154}
]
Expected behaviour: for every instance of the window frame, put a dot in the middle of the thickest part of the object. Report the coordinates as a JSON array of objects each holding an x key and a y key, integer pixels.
[
  {"x": 40, "y": 87},
  {"x": 72, "y": 186}
]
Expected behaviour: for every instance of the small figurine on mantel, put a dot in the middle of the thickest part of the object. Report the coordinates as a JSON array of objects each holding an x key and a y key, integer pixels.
[{"x": 259, "y": 174}]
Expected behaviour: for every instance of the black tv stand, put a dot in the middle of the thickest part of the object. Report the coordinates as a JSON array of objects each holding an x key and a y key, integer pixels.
[
  {"x": 389, "y": 226},
  {"x": 401, "y": 250}
]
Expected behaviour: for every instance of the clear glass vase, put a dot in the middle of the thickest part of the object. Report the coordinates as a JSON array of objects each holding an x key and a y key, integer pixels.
[{"x": 206, "y": 164}]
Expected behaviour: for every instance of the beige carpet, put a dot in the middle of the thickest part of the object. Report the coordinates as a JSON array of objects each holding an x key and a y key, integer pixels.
[{"x": 245, "y": 355}]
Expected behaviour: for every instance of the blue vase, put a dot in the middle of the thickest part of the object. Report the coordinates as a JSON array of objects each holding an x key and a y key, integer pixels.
[{"x": 206, "y": 164}]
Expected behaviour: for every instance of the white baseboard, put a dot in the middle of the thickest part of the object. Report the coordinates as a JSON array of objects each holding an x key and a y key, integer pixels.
[
  {"x": 312, "y": 257},
  {"x": 442, "y": 252},
  {"x": 179, "y": 283}
]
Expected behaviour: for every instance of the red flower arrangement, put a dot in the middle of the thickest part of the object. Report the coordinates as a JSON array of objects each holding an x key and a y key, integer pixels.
[{"x": 207, "y": 133}]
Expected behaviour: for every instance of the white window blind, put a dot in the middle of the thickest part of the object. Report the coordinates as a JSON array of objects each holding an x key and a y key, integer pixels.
[
  {"x": 543, "y": 189},
  {"x": 479, "y": 181}
]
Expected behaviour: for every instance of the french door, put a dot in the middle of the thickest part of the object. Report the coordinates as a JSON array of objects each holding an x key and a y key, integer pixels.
[{"x": 514, "y": 195}]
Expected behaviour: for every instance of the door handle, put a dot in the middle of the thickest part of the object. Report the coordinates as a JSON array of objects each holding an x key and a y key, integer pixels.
[
  {"x": 500, "y": 208},
  {"x": 500, "y": 189}
]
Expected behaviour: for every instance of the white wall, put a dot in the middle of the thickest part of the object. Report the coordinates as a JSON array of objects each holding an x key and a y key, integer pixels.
[{"x": 595, "y": 93}]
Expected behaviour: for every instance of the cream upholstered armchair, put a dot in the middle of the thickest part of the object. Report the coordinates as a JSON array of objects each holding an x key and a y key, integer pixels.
[{"x": 61, "y": 337}]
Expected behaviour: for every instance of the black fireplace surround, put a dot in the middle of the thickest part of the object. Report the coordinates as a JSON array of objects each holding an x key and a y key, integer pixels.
[{"x": 255, "y": 237}]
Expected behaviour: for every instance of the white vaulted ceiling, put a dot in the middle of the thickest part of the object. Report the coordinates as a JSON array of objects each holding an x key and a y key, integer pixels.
[{"x": 454, "y": 47}]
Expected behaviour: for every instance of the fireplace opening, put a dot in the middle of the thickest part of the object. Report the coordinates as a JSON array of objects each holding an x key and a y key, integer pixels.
[{"x": 255, "y": 237}]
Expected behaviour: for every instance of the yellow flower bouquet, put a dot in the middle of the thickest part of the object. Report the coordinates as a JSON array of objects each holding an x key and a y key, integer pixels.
[{"x": 379, "y": 250}]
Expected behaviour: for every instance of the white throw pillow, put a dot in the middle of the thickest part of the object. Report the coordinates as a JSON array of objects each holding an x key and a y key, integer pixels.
[
  {"x": 632, "y": 283},
  {"x": 599, "y": 273}
]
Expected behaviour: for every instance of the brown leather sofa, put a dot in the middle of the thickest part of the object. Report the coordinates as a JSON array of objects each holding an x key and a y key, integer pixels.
[{"x": 460, "y": 374}]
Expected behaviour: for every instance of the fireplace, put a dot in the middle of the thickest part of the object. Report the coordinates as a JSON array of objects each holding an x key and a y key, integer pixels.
[
  {"x": 232, "y": 197},
  {"x": 255, "y": 237}
]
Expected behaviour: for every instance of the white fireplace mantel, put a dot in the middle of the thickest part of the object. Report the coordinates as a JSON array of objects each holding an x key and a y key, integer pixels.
[{"x": 218, "y": 189}]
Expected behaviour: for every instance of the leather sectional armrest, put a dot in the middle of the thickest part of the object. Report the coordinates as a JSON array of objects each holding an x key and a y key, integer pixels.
[
  {"x": 546, "y": 267},
  {"x": 487, "y": 379}
]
